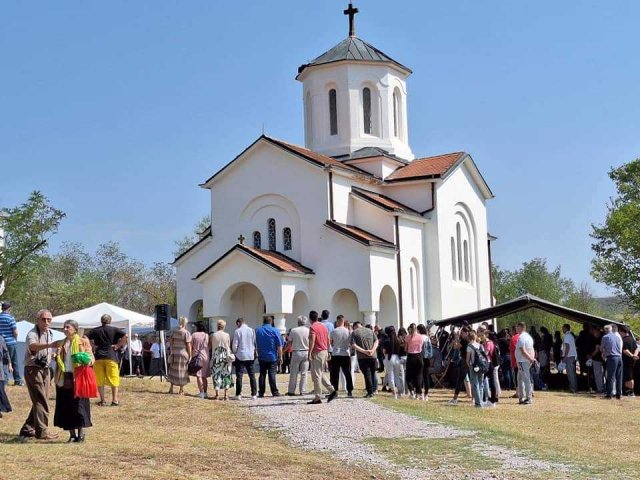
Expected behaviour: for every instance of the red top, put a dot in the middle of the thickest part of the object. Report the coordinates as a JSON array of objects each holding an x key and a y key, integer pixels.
[
  {"x": 512, "y": 350},
  {"x": 322, "y": 337}
]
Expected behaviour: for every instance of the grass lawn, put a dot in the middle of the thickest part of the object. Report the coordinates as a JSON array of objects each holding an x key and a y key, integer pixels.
[
  {"x": 156, "y": 436},
  {"x": 597, "y": 437}
]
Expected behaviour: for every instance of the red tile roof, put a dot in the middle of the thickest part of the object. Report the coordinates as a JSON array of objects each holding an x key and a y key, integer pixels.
[
  {"x": 359, "y": 235},
  {"x": 274, "y": 260},
  {"x": 317, "y": 157},
  {"x": 383, "y": 201},
  {"x": 429, "y": 167}
]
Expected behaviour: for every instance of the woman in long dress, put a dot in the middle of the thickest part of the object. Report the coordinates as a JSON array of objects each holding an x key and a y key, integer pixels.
[
  {"x": 221, "y": 360},
  {"x": 200, "y": 349},
  {"x": 180, "y": 344},
  {"x": 72, "y": 414}
]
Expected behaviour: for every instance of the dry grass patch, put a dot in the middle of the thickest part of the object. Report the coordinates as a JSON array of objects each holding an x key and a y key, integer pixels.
[
  {"x": 153, "y": 435},
  {"x": 596, "y": 436}
]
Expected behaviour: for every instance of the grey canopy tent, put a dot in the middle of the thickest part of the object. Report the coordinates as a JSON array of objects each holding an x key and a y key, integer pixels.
[{"x": 519, "y": 304}]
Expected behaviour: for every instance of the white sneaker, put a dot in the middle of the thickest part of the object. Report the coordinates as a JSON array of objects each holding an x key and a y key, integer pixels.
[
  {"x": 426, "y": 398},
  {"x": 453, "y": 401},
  {"x": 253, "y": 397},
  {"x": 236, "y": 397},
  {"x": 201, "y": 395}
]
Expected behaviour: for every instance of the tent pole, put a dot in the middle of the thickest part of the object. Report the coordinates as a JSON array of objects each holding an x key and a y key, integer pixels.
[{"x": 129, "y": 349}]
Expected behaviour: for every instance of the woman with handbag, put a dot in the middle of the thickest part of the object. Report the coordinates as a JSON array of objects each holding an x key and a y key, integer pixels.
[
  {"x": 200, "y": 358},
  {"x": 72, "y": 412},
  {"x": 180, "y": 348},
  {"x": 221, "y": 359}
]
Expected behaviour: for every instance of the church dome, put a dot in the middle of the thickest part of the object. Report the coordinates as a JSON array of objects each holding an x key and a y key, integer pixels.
[{"x": 353, "y": 49}]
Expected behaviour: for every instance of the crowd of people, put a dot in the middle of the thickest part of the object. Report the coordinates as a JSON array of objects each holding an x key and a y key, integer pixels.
[{"x": 404, "y": 362}]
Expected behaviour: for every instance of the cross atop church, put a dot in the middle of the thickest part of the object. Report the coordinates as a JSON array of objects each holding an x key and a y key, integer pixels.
[
  {"x": 352, "y": 15},
  {"x": 241, "y": 239}
]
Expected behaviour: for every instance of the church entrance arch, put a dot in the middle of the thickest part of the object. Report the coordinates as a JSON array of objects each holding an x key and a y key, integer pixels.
[
  {"x": 388, "y": 314},
  {"x": 345, "y": 302},
  {"x": 244, "y": 300},
  {"x": 300, "y": 307}
]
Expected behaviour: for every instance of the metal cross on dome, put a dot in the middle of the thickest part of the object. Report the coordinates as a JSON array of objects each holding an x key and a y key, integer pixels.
[{"x": 352, "y": 24}]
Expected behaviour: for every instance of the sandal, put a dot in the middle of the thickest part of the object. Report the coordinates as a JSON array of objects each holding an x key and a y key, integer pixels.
[
  {"x": 101, "y": 404},
  {"x": 115, "y": 404}
]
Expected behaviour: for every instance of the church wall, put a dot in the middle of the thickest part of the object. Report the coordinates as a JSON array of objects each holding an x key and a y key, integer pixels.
[
  {"x": 411, "y": 248},
  {"x": 342, "y": 202},
  {"x": 431, "y": 272},
  {"x": 270, "y": 183},
  {"x": 460, "y": 194},
  {"x": 416, "y": 195},
  {"x": 187, "y": 268},
  {"x": 373, "y": 219},
  {"x": 383, "y": 272}
]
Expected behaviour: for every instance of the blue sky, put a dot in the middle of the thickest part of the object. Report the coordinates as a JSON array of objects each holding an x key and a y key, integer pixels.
[{"x": 117, "y": 110}]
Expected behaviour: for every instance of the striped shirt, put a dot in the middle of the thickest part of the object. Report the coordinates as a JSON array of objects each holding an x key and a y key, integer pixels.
[{"x": 7, "y": 326}]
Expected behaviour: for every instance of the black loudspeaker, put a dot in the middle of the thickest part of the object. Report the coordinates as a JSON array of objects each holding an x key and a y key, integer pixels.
[{"x": 163, "y": 317}]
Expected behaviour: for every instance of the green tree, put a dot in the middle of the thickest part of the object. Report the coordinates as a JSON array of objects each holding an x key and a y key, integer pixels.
[
  {"x": 537, "y": 279},
  {"x": 200, "y": 229},
  {"x": 28, "y": 228},
  {"x": 617, "y": 241}
]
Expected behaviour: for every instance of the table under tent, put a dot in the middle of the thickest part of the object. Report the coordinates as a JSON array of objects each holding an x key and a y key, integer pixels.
[
  {"x": 446, "y": 326},
  {"x": 89, "y": 318}
]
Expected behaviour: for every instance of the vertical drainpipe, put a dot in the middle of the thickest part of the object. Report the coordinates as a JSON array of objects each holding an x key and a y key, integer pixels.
[
  {"x": 330, "y": 195},
  {"x": 399, "y": 267}
]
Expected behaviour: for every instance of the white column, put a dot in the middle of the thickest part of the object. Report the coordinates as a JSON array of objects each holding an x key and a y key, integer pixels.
[
  {"x": 369, "y": 318},
  {"x": 279, "y": 321}
]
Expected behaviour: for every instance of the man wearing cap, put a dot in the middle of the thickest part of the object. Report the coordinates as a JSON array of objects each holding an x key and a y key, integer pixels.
[{"x": 9, "y": 332}]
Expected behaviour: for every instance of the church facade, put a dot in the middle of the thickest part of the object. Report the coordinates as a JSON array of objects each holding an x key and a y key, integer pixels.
[{"x": 352, "y": 222}]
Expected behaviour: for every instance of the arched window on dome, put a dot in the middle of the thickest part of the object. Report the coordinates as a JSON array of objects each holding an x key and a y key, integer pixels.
[
  {"x": 286, "y": 238},
  {"x": 397, "y": 105},
  {"x": 257, "y": 240},
  {"x": 366, "y": 110},
  {"x": 271, "y": 224},
  {"x": 454, "y": 270},
  {"x": 333, "y": 112}
]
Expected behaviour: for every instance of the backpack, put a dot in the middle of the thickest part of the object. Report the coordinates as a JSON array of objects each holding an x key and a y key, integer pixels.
[
  {"x": 480, "y": 360},
  {"x": 427, "y": 348},
  {"x": 495, "y": 359}
]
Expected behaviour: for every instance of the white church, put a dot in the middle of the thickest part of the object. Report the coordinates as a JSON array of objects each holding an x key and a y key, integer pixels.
[{"x": 353, "y": 222}]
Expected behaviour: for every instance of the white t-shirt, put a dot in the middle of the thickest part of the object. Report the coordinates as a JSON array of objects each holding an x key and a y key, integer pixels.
[
  {"x": 570, "y": 340},
  {"x": 136, "y": 347},
  {"x": 524, "y": 341},
  {"x": 155, "y": 350}
]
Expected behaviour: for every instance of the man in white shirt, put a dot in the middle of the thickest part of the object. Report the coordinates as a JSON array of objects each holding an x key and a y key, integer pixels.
[
  {"x": 569, "y": 354},
  {"x": 136, "y": 356},
  {"x": 341, "y": 356},
  {"x": 243, "y": 346},
  {"x": 298, "y": 340},
  {"x": 525, "y": 357}
]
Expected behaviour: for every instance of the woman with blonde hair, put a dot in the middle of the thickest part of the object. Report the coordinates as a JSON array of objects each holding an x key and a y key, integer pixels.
[
  {"x": 180, "y": 344},
  {"x": 72, "y": 414},
  {"x": 221, "y": 358}
]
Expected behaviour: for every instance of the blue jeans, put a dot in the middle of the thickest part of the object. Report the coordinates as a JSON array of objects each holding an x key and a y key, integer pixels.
[
  {"x": 524, "y": 380},
  {"x": 240, "y": 366},
  {"x": 507, "y": 373},
  {"x": 477, "y": 386},
  {"x": 13, "y": 358},
  {"x": 267, "y": 367},
  {"x": 614, "y": 373},
  {"x": 570, "y": 362}
]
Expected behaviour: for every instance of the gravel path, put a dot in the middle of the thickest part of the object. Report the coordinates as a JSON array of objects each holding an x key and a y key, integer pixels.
[{"x": 342, "y": 427}]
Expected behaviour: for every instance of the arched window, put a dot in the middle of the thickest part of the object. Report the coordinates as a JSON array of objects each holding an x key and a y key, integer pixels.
[
  {"x": 309, "y": 117},
  {"x": 271, "y": 223},
  {"x": 257, "y": 240},
  {"x": 454, "y": 270},
  {"x": 286, "y": 238},
  {"x": 333, "y": 112},
  {"x": 396, "y": 112},
  {"x": 413, "y": 287},
  {"x": 466, "y": 260},
  {"x": 459, "y": 249},
  {"x": 366, "y": 109}
]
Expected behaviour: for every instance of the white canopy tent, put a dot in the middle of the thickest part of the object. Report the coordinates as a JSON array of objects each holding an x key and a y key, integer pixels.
[{"x": 88, "y": 318}]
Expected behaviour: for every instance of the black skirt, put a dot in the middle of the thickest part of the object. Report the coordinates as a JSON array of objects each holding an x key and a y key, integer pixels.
[
  {"x": 71, "y": 412},
  {"x": 5, "y": 406}
]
